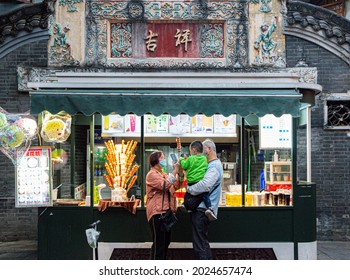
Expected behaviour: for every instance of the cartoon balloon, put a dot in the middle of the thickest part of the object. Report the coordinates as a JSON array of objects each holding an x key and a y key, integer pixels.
[{"x": 56, "y": 128}]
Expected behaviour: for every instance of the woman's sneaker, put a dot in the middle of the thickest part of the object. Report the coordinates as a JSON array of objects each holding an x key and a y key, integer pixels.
[{"x": 210, "y": 214}]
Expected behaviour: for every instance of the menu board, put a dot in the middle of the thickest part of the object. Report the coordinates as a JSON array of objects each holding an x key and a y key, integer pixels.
[
  {"x": 155, "y": 124},
  {"x": 115, "y": 125},
  {"x": 275, "y": 133},
  {"x": 33, "y": 178},
  {"x": 225, "y": 125},
  {"x": 132, "y": 124},
  {"x": 202, "y": 124},
  {"x": 165, "y": 125},
  {"x": 112, "y": 124},
  {"x": 180, "y": 124}
]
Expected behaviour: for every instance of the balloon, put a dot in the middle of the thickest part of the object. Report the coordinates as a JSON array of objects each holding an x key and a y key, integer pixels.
[
  {"x": 3, "y": 120},
  {"x": 16, "y": 154},
  {"x": 16, "y": 133},
  {"x": 56, "y": 128},
  {"x": 29, "y": 127},
  {"x": 59, "y": 158},
  {"x": 12, "y": 136}
]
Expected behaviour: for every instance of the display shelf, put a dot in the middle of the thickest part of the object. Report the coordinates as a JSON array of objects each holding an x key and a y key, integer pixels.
[{"x": 278, "y": 172}]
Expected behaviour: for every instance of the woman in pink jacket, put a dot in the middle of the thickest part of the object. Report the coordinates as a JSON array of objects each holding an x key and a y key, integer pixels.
[{"x": 154, "y": 190}]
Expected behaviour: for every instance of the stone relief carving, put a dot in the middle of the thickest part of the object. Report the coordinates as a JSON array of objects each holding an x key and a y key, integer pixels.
[
  {"x": 121, "y": 40},
  {"x": 33, "y": 74},
  {"x": 306, "y": 75},
  {"x": 71, "y": 7},
  {"x": 212, "y": 43},
  {"x": 265, "y": 44},
  {"x": 135, "y": 10},
  {"x": 101, "y": 13},
  {"x": 266, "y": 47},
  {"x": 265, "y": 7},
  {"x": 284, "y": 9},
  {"x": 60, "y": 51}
]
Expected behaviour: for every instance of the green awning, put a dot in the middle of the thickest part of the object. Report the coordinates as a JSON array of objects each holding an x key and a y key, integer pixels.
[{"x": 173, "y": 102}]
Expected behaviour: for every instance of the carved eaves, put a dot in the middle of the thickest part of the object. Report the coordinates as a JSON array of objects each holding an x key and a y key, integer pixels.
[
  {"x": 319, "y": 26},
  {"x": 17, "y": 27}
]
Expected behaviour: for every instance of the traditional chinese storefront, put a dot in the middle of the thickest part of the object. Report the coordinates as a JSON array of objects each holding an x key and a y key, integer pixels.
[{"x": 208, "y": 68}]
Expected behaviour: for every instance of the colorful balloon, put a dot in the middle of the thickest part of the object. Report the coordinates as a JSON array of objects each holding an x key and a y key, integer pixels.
[
  {"x": 12, "y": 136},
  {"x": 3, "y": 120},
  {"x": 16, "y": 133}
]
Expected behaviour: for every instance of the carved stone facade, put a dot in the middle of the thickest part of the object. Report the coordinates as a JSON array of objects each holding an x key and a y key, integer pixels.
[{"x": 116, "y": 30}]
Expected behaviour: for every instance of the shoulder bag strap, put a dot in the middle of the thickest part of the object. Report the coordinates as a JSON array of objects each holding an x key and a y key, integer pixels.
[
  {"x": 214, "y": 188},
  {"x": 163, "y": 195}
]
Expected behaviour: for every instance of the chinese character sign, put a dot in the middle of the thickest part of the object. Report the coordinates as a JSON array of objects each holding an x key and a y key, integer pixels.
[
  {"x": 172, "y": 40},
  {"x": 151, "y": 41},
  {"x": 182, "y": 37}
]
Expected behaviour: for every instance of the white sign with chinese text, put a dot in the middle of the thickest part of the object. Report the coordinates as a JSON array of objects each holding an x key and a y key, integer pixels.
[{"x": 275, "y": 133}]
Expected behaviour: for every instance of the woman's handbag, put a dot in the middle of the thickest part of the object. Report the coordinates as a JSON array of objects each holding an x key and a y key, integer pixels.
[{"x": 168, "y": 219}]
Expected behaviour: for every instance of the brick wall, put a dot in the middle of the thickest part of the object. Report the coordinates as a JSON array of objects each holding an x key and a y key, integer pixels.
[
  {"x": 330, "y": 149},
  {"x": 16, "y": 223}
]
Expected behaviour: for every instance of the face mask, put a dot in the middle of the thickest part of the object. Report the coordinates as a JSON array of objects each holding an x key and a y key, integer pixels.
[{"x": 162, "y": 163}]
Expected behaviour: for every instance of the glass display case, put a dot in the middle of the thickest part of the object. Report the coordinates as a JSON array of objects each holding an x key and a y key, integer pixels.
[{"x": 279, "y": 172}]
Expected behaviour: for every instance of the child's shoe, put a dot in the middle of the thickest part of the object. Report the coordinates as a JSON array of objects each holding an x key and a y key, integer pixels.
[{"x": 210, "y": 214}]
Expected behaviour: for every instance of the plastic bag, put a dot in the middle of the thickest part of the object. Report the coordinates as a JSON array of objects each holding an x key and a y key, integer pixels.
[{"x": 92, "y": 236}]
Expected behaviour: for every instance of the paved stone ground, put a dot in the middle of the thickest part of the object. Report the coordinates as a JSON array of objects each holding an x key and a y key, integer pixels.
[
  {"x": 27, "y": 250},
  {"x": 333, "y": 250},
  {"x": 19, "y": 250}
]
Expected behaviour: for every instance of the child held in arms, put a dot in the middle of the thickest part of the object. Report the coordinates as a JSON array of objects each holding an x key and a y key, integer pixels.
[{"x": 195, "y": 166}]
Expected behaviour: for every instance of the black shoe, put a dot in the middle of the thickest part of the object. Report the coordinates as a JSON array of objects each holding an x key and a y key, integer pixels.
[{"x": 182, "y": 208}]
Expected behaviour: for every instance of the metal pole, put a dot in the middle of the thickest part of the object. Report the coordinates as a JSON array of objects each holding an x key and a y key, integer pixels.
[
  {"x": 72, "y": 157},
  {"x": 294, "y": 183},
  {"x": 308, "y": 143},
  {"x": 143, "y": 162},
  {"x": 242, "y": 146},
  {"x": 92, "y": 145}
]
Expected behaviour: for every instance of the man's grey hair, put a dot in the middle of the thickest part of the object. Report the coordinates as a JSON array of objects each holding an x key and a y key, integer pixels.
[{"x": 209, "y": 144}]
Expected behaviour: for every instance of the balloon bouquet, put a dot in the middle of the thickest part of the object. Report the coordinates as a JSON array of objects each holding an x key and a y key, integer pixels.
[
  {"x": 16, "y": 134},
  {"x": 56, "y": 128},
  {"x": 18, "y": 130}
]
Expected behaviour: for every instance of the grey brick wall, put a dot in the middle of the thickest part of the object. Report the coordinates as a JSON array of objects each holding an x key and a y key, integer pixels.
[
  {"x": 330, "y": 149},
  {"x": 16, "y": 223}
]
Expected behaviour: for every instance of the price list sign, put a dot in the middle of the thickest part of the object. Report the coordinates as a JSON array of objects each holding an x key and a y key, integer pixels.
[
  {"x": 33, "y": 180},
  {"x": 275, "y": 133}
]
